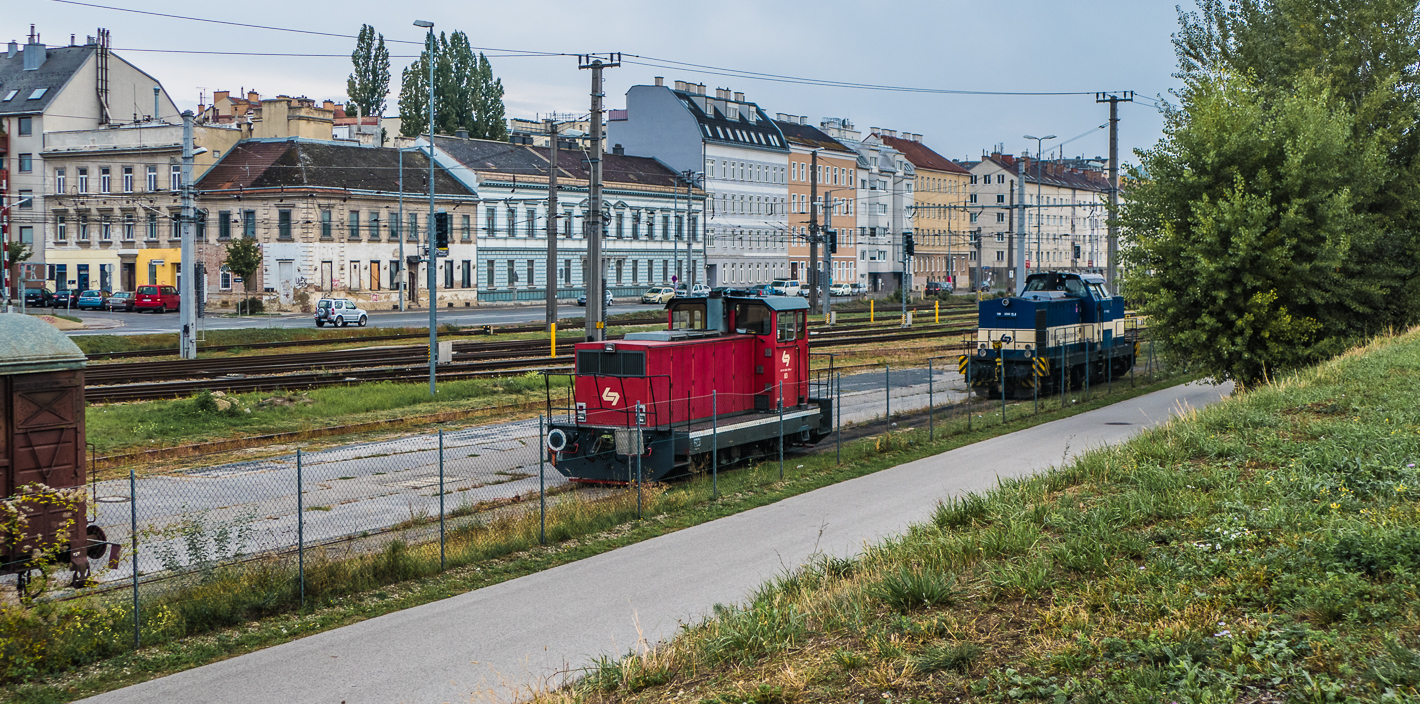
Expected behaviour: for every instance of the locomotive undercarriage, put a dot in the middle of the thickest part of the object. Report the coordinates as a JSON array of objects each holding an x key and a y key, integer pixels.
[
  {"x": 596, "y": 454},
  {"x": 1024, "y": 373}
]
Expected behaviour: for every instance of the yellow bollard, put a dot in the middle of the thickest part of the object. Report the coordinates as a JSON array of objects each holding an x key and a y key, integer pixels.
[
  {"x": 937, "y": 312},
  {"x": 554, "y": 339},
  {"x": 871, "y": 317}
]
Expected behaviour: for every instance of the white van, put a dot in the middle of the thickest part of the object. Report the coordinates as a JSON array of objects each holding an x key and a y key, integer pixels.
[{"x": 785, "y": 287}]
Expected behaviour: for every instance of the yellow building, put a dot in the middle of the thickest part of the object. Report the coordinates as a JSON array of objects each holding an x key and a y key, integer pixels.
[{"x": 940, "y": 223}]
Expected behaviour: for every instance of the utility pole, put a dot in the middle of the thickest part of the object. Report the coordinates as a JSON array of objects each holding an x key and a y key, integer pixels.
[
  {"x": 1114, "y": 99},
  {"x": 827, "y": 260},
  {"x": 187, "y": 293},
  {"x": 596, "y": 321},
  {"x": 1021, "y": 236},
  {"x": 551, "y": 223},
  {"x": 690, "y": 278},
  {"x": 399, "y": 232},
  {"x": 432, "y": 262},
  {"x": 1012, "y": 261},
  {"x": 813, "y": 230}
]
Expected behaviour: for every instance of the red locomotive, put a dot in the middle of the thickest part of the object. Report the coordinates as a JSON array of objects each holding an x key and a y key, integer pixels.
[{"x": 723, "y": 382}]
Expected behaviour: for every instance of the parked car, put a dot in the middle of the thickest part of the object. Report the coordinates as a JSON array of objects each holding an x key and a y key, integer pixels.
[
  {"x": 785, "y": 287},
  {"x": 763, "y": 290},
  {"x": 157, "y": 298},
  {"x": 658, "y": 294},
  {"x": 582, "y": 299},
  {"x": 38, "y": 297},
  {"x": 857, "y": 289},
  {"x": 699, "y": 290},
  {"x": 123, "y": 300},
  {"x": 62, "y": 298},
  {"x": 840, "y": 290},
  {"x": 722, "y": 291},
  {"x": 937, "y": 287},
  {"x": 91, "y": 299},
  {"x": 339, "y": 311}
]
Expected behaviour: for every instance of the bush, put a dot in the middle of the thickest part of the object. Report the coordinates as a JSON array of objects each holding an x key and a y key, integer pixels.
[
  {"x": 251, "y": 306},
  {"x": 910, "y": 588}
]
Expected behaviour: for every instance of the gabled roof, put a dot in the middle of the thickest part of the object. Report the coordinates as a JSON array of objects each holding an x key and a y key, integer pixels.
[
  {"x": 486, "y": 156},
  {"x": 1050, "y": 173},
  {"x": 60, "y": 65},
  {"x": 716, "y": 126},
  {"x": 810, "y": 137},
  {"x": 922, "y": 156},
  {"x": 299, "y": 164}
]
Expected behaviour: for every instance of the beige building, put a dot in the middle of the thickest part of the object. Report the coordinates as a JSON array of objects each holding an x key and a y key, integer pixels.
[
  {"x": 837, "y": 167},
  {"x": 271, "y": 118},
  {"x": 941, "y": 188}
]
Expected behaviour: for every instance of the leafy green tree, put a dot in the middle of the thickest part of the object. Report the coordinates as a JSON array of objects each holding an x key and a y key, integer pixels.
[
  {"x": 17, "y": 252},
  {"x": 466, "y": 95},
  {"x": 368, "y": 85},
  {"x": 1241, "y": 222},
  {"x": 243, "y": 259}
]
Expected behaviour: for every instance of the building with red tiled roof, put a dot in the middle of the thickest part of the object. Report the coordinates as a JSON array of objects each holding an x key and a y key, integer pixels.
[{"x": 940, "y": 191}]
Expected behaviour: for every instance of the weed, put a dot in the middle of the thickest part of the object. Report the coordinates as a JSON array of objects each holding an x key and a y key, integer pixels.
[
  {"x": 909, "y": 588},
  {"x": 948, "y": 656}
]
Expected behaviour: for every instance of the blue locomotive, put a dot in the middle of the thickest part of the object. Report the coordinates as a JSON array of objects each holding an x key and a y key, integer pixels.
[{"x": 1063, "y": 331}]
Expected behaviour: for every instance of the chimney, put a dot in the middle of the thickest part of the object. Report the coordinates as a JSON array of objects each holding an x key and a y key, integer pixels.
[
  {"x": 34, "y": 52},
  {"x": 803, "y": 119},
  {"x": 721, "y": 94},
  {"x": 328, "y": 105},
  {"x": 680, "y": 85},
  {"x": 782, "y": 117},
  {"x": 617, "y": 149},
  {"x": 739, "y": 97},
  {"x": 700, "y": 89},
  {"x": 71, "y": 40},
  {"x": 253, "y": 96},
  {"x": 660, "y": 81},
  {"x": 461, "y": 133},
  {"x": 14, "y": 49}
]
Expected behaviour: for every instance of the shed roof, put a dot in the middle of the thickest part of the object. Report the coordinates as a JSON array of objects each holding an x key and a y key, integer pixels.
[{"x": 29, "y": 345}]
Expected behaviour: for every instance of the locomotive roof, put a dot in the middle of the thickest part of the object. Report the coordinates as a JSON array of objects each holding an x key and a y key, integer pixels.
[{"x": 775, "y": 302}]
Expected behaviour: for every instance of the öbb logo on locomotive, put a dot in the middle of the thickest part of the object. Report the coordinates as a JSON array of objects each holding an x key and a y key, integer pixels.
[{"x": 610, "y": 396}]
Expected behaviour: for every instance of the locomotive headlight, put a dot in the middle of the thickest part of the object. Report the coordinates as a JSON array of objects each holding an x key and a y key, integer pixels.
[
  {"x": 556, "y": 440},
  {"x": 608, "y": 347}
]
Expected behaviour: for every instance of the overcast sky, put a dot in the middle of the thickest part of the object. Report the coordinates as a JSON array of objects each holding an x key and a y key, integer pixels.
[{"x": 983, "y": 45}]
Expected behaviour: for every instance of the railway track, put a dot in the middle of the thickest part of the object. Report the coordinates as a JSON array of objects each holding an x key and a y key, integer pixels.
[{"x": 298, "y": 371}]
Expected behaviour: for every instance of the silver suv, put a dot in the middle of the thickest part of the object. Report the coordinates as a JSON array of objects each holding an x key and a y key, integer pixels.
[{"x": 339, "y": 311}]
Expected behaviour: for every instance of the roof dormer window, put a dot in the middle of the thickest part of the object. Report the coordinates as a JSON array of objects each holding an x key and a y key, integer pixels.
[
  {"x": 37, "y": 94},
  {"x": 11, "y": 95}
]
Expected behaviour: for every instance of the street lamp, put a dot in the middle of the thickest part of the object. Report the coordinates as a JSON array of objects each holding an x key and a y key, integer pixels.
[
  {"x": 1038, "y": 141},
  {"x": 429, "y": 239}
]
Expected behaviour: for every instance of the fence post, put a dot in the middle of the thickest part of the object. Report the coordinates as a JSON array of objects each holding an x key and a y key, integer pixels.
[
  {"x": 1088, "y": 365},
  {"x": 714, "y": 444},
  {"x": 887, "y": 391},
  {"x": 781, "y": 430},
  {"x": 969, "y": 391},
  {"x": 1035, "y": 382},
  {"x": 1064, "y": 369},
  {"x": 641, "y": 451},
  {"x": 1109, "y": 372},
  {"x": 1001, "y": 369},
  {"x": 442, "y": 563},
  {"x": 930, "y": 430},
  {"x": 838, "y": 417},
  {"x": 541, "y": 482},
  {"x": 300, "y": 528},
  {"x": 133, "y": 537}
]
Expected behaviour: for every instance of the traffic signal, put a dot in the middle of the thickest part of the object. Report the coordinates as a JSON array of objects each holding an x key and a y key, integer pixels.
[
  {"x": 1077, "y": 252},
  {"x": 833, "y": 241},
  {"x": 909, "y": 247},
  {"x": 441, "y": 232}
]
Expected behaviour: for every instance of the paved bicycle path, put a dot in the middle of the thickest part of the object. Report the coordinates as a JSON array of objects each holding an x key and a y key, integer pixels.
[{"x": 496, "y": 643}]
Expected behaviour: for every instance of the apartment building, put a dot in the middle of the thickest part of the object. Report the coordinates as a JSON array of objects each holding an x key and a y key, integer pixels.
[
  {"x": 738, "y": 154},
  {"x": 651, "y": 218},
  {"x": 884, "y": 209},
  {"x": 940, "y": 191},
  {"x": 837, "y": 188},
  {"x": 53, "y": 89}
]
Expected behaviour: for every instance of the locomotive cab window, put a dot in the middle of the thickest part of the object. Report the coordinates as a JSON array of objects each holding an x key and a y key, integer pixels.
[
  {"x": 598, "y": 363},
  {"x": 791, "y": 326},
  {"x": 752, "y": 319},
  {"x": 688, "y": 316}
]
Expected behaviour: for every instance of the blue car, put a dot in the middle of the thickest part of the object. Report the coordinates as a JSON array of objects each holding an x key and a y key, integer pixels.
[{"x": 91, "y": 299}]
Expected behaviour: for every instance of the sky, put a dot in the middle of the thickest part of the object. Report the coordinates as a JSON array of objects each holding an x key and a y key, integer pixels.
[{"x": 1027, "y": 46}]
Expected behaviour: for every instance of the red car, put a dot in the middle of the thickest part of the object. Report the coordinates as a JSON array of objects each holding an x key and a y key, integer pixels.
[{"x": 158, "y": 298}]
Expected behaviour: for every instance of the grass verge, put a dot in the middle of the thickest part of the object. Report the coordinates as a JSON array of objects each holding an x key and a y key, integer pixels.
[
  {"x": 1265, "y": 549},
  {"x": 74, "y": 649}
]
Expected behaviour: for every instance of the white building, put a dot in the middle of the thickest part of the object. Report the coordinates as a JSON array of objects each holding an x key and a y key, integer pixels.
[
  {"x": 884, "y": 208},
  {"x": 743, "y": 159}
]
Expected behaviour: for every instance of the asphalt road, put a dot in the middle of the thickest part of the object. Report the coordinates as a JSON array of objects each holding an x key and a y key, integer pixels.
[
  {"x": 498, "y": 642},
  {"x": 150, "y": 323}
]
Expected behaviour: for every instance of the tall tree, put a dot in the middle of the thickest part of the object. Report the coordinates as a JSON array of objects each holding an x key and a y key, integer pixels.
[
  {"x": 466, "y": 95},
  {"x": 243, "y": 258},
  {"x": 368, "y": 85}
]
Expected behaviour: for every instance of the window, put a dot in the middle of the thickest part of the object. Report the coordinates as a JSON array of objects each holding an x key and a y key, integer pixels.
[
  {"x": 467, "y": 272},
  {"x": 488, "y": 280},
  {"x": 283, "y": 224},
  {"x": 413, "y": 233},
  {"x": 59, "y": 181},
  {"x": 106, "y": 229},
  {"x": 353, "y": 225},
  {"x": 621, "y": 226},
  {"x": 1000, "y": 255},
  {"x": 325, "y": 233},
  {"x": 128, "y": 179},
  {"x": 26, "y": 126},
  {"x": 129, "y": 228},
  {"x": 27, "y": 199},
  {"x": 512, "y": 223},
  {"x": 152, "y": 179},
  {"x": 61, "y": 231},
  {"x": 531, "y": 223},
  {"x": 636, "y": 225},
  {"x": 374, "y": 229},
  {"x": 83, "y": 180},
  {"x": 175, "y": 177},
  {"x": 105, "y": 180},
  {"x": 1000, "y": 198},
  {"x": 466, "y": 229},
  {"x": 394, "y": 227},
  {"x": 174, "y": 227},
  {"x": 448, "y": 274},
  {"x": 26, "y": 163},
  {"x": 224, "y": 279},
  {"x": 224, "y": 224},
  {"x": 971, "y": 199},
  {"x": 152, "y": 231},
  {"x": 532, "y": 272},
  {"x": 490, "y": 221}
]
